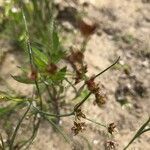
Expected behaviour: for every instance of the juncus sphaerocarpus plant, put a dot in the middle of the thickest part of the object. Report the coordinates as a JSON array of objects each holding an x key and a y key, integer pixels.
[{"x": 52, "y": 71}]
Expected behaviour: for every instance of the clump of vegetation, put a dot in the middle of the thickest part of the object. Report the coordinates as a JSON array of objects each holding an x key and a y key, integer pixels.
[{"x": 49, "y": 71}]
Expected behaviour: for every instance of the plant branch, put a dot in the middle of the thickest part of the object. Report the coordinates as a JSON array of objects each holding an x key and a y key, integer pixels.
[
  {"x": 138, "y": 133},
  {"x": 96, "y": 122},
  {"x": 82, "y": 87},
  {"x": 56, "y": 126},
  {"x": 106, "y": 68},
  {"x": 80, "y": 103},
  {"x": 72, "y": 86},
  {"x": 34, "y": 132},
  {"x": 53, "y": 115},
  {"x": 17, "y": 128},
  {"x": 84, "y": 43},
  {"x": 146, "y": 130},
  {"x": 55, "y": 101},
  {"x": 39, "y": 94},
  {"x": 79, "y": 91},
  {"x": 28, "y": 41},
  {"x": 48, "y": 90},
  {"x": 67, "y": 114}
]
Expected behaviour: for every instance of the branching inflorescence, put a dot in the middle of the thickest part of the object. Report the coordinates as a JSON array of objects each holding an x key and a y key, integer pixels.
[{"x": 50, "y": 79}]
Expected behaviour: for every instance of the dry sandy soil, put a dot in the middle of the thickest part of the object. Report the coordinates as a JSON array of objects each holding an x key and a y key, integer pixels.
[{"x": 124, "y": 30}]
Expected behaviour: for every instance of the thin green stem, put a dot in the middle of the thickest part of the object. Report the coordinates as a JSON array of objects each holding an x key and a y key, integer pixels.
[
  {"x": 67, "y": 114},
  {"x": 106, "y": 68},
  {"x": 80, "y": 103},
  {"x": 48, "y": 90},
  {"x": 146, "y": 130},
  {"x": 84, "y": 43},
  {"x": 56, "y": 126},
  {"x": 87, "y": 141},
  {"x": 34, "y": 132},
  {"x": 96, "y": 122},
  {"x": 72, "y": 86},
  {"x": 55, "y": 100},
  {"x": 82, "y": 87},
  {"x": 79, "y": 91},
  {"x": 39, "y": 94},
  {"x": 28, "y": 41},
  {"x": 17, "y": 128},
  {"x": 53, "y": 115},
  {"x": 138, "y": 133},
  {"x": 36, "y": 127}
]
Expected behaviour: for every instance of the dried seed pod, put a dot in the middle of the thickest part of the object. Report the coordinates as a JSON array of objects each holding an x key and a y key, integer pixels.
[
  {"x": 78, "y": 127},
  {"x": 78, "y": 77},
  {"x": 80, "y": 73},
  {"x": 76, "y": 56},
  {"x": 110, "y": 145},
  {"x": 76, "y": 61},
  {"x": 111, "y": 128},
  {"x": 92, "y": 86},
  {"x": 86, "y": 27},
  {"x": 100, "y": 99}
]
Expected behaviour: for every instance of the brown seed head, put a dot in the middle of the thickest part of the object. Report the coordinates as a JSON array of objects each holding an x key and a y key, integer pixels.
[
  {"x": 92, "y": 86},
  {"x": 86, "y": 27},
  {"x": 76, "y": 56},
  {"x": 111, "y": 128},
  {"x": 100, "y": 99},
  {"x": 110, "y": 145},
  {"x": 78, "y": 127},
  {"x": 52, "y": 68}
]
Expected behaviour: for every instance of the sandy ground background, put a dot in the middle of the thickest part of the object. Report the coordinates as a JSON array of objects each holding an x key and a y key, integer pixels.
[{"x": 124, "y": 30}]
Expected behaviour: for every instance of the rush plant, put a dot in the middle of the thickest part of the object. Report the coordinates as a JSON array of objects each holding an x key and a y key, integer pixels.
[{"x": 52, "y": 71}]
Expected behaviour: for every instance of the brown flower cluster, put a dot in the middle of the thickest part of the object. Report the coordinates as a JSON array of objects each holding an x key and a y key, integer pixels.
[
  {"x": 51, "y": 68},
  {"x": 110, "y": 145},
  {"x": 76, "y": 60},
  {"x": 100, "y": 96},
  {"x": 86, "y": 27},
  {"x": 111, "y": 128},
  {"x": 78, "y": 125}
]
